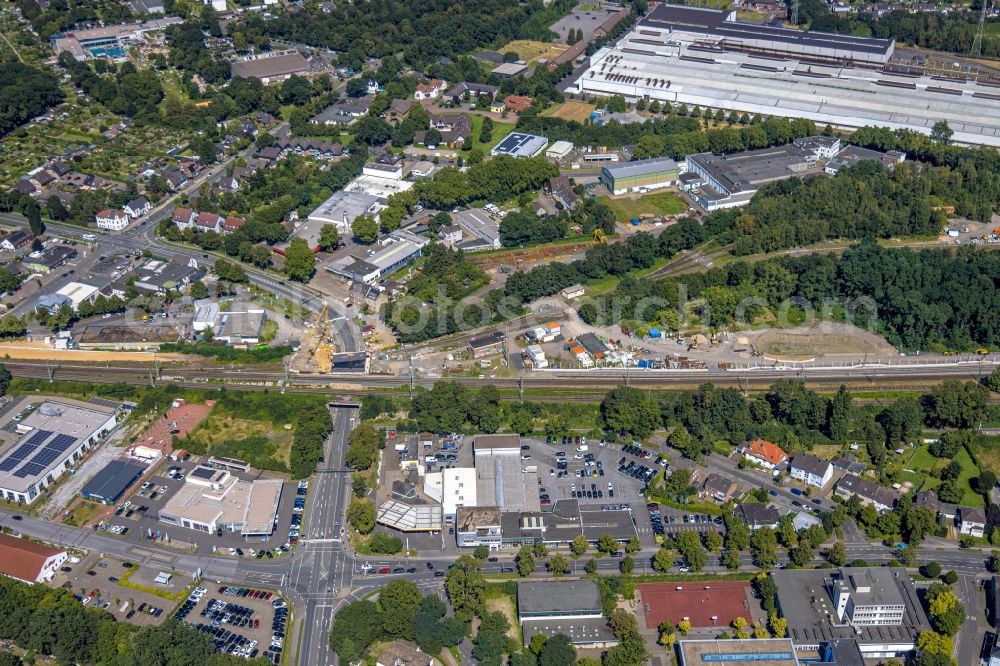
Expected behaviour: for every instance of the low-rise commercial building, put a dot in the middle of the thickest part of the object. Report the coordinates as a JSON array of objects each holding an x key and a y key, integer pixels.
[
  {"x": 569, "y": 607},
  {"x": 757, "y": 516},
  {"x": 213, "y": 499},
  {"x": 49, "y": 440},
  {"x": 271, "y": 69},
  {"x": 481, "y": 225},
  {"x": 112, "y": 220},
  {"x": 340, "y": 210},
  {"x": 640, "y": 175},
  {"x": 110, "y": 483},
  {"x": 488, "y": 344},
  {"x": 728, "y": 181},
  {"x": 519, "y": 144},
  {"x": 756, "y": 651}
]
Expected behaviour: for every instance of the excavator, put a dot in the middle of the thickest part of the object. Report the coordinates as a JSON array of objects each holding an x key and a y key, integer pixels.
[{"x": 599, "y": 236}]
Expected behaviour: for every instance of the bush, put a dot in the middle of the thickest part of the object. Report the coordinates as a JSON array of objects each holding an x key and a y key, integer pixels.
[{"x": 386, "y": 544}]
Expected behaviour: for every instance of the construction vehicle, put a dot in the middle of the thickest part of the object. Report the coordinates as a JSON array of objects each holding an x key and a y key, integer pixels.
[
  {"x": 324, "y": 342},
  {"x": 599, "y": 236},
  {"x": 982, "y": 351}
]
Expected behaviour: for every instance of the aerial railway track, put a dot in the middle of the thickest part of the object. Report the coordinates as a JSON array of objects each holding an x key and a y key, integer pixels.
[{"x": 557, "y": 386}]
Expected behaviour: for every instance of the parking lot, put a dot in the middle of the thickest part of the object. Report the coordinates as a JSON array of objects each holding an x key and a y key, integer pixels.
[
  {"x": 241, "y": 621},
  {"x": 139, "y": 514},
  {"x": 96, "y": 583}
]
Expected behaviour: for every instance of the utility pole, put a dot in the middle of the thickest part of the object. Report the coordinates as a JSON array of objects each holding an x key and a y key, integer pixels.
[
  {"x": 977, "y": 43},
  {"x": 795, "y": 12}
]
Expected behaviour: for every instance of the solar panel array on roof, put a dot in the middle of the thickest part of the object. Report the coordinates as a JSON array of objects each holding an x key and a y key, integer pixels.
[
  {"x": 202, "y": 473},
  {"x": 22, "y": 452}
]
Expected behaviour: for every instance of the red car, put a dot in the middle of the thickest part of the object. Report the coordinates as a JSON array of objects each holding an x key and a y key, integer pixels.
[
  {"x": 545, "y": 501},
  {"x": 384, "y": 570}
]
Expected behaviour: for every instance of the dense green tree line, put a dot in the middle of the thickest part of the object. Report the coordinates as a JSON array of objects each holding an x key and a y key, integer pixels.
[
  {"x": 497, "y": 179},
  {"x": 423, "y": 31},
  {"x": 446, "y": 273},
  {"x": 25, "y": 92},
  {"x": 952, "y": 32},
  {"x": 399, "y": 612},
  {"x": 52, "y": 622},
  {"x": 674, "y": 135}
]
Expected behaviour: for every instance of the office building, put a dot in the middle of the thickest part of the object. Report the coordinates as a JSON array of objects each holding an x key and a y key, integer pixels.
[
  {"x": 755, "y": 651},
  {"x": 877, "y": 607}
]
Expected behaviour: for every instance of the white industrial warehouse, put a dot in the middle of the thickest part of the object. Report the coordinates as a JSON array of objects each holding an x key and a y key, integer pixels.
[{"x": 705, "y": 57}]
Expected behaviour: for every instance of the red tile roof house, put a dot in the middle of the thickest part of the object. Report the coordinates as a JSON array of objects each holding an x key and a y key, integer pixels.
[
  {"x": 208, "y": 222},
  {"x": 764, "y": 453},
  {"x": 231, "y": 224},
  {"x": 517, "y": 103},
  {"x": 29, "y": 561}
]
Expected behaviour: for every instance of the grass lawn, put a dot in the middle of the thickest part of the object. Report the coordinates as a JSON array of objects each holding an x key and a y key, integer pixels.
[
  {"x": 926, "y": 465},
  {"x": 571, "y": 110},
  {"x": 660, "y": 203},
  {"x": 83, "y": 513},
  {"x": 500, "y": 130},
  {"x": 988, "y": 452}
]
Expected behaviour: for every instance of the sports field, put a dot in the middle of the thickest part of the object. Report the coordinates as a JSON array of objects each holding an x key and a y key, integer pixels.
[
  {"x": 573, "y": 110},
  {"x": 530, "y": 51}
]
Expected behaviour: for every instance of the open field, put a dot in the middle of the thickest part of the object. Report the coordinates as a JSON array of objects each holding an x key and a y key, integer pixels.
[
  {"x": 529, "y": 51},
  {"x": 650, "y": 205},
  {"x": 83, "y": 513},
  {"x": 223, "y": 434},
  {"x": 989, "y": 454},
  {"x": 25, "y": 350},
  {"x": 809, "y": 342},
  {"x": 573, "y": 110}
]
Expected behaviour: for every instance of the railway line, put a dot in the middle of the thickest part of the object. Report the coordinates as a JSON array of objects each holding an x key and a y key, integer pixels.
[{"x": 558, "y": 386}]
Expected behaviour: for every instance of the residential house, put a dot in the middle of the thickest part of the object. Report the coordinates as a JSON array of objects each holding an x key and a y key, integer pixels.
[
  {"x": 398, "y": 108},
  {"x": 718, "y": 488},
  {"x": 811, "y": 469},
  {"x": 517, "y": 103},
  {"x": 562, "y": 191},
  {"x": 971, "y": 521},
  {"x": 228, "y": 184},
  {"x": 208, "y": 222},
  {"x": 757, "y": 516},
  {"x": 880, "y": 497},
  {"x": 184, "y": 218},
  {"x": 24, "y": 187},
  {"x": 16, "y": 240},
  {"x": 112, "y": 220},
  {"x": 345, "y": 112},
  {"x": 430, "y": 90},
  {"x": 138, "y": 207},
  {"x": 47, "y": 260},
  {"x": 451, "y": 235},
  {"x": 455, "y": 129},
  {"x": 231, "y": 224},
  {"x": 174, "y": 177},
  {"x": 270, "y": 153},
  {"x": 462, "y": 91},
  {"x": 764, "y": 453},
  {"x": 930, "y": 499}
]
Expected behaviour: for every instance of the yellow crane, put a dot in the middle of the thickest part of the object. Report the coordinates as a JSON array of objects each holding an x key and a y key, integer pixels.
[
  {"x": 599, "y": 236},
  {"x": 324, "y": 343}
]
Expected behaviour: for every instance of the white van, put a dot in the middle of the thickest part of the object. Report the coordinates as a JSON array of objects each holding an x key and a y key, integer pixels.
[{"x": 582, "y": 448}]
